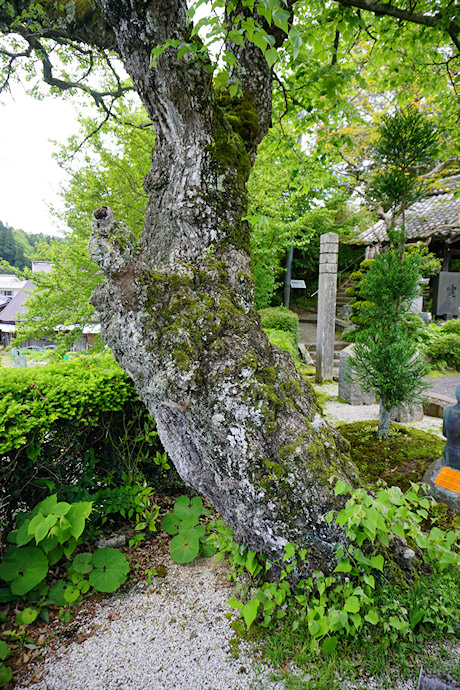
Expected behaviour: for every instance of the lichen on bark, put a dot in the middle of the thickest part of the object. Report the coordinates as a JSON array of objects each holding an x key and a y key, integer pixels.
[{"x": 177, "y": 307}]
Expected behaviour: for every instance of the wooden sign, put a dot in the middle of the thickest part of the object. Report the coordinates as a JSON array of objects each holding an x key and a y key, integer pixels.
[{"x": 449, "y": 478}]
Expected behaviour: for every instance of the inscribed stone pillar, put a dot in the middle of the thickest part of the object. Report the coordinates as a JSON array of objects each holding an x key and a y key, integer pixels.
[{"x": 327, "y": 292}]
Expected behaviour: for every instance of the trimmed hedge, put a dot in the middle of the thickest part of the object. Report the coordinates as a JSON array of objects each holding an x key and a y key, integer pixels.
[
  {"x": 452, "y": 326},
  {"x": 284, "y": 340},
  {"x": 281, "y": 319},
  {"x": 445, "y": 348},
  {"x": 77, "y": 424}
]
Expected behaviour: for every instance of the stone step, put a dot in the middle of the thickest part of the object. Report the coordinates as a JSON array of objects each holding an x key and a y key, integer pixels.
[{"x": 339, "y": 345}]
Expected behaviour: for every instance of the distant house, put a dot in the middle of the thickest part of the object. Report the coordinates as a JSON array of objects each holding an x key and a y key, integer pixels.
[
  {"x": 15, "y": 307},
  {"x": 11, "y": 313},
  {"x": 10, "y": 285},
  {"x": 435, "y": 221}
]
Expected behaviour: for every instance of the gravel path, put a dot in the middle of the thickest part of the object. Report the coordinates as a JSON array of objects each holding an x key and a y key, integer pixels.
[{"x": 173, "y": 633}]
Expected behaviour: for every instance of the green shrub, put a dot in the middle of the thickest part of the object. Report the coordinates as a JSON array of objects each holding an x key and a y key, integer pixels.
[
  {"x": 77, "y": 425},
  {"x": 368, "y": 592},
  {"x": 452, "y": 326},
  {"x": 445, "y": 349},
  {"x": 281, "y": 319},
  {"x": 284, "y": 340}
]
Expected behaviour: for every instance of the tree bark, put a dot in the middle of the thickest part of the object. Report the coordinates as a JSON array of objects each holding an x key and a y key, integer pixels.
[{"x": 177, "y": 307}]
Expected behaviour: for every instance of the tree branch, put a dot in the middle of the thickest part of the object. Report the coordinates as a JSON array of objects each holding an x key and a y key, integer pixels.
[{"x": 390, "y": 10}]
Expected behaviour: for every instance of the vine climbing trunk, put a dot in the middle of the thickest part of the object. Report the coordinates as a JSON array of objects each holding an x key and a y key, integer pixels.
[{"x": 177, "y": 307}]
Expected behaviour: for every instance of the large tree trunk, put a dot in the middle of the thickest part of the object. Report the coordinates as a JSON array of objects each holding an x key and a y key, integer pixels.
[{"x": 177, "y": 308}]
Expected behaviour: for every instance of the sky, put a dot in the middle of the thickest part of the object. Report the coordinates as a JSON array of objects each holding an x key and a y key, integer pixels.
[{"x": 29, "y": 177}]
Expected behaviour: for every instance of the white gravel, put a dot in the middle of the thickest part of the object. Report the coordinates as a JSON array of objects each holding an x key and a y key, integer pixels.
[
  {"x": 173, "y": 633},
  {"x": 336, "y": 411}
]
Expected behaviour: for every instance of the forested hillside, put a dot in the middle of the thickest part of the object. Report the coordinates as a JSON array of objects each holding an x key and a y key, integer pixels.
[{"x": 17, "y": 247}]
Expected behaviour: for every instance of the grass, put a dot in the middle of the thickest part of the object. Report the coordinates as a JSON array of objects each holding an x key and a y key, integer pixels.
[{"x": 400, "y": 459}]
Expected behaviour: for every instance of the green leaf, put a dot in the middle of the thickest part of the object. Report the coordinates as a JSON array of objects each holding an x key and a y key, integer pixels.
[
  {"x": 329, "y": 645},
  {"x": 71, "y": 594},
  {"x": 26, "y": 616},
  {"x": 4, "y": 650},
  {"x": 181, "y": 507},
  {"x": 271, "y": 56},
  {"x": 23, "y": 568},
  {"x": 6, "y": 674},
  {"x": 56, "y": 593},
  {"x": 110, "y": 570},
  {"x": 23, "y": 536},
  {"x": 352, "y": 605},
  {"x": 341, "y": 488},
  {"x": 196, "y": 506},
  {"x": 82, "y": 563},
  {"x": 372, "y": 617},
  {"x": 207, "y": 550},
  {"x": 170, "y": 523},
  {"x": 185, "y": 547},
  {"x": 234, "y": 603},
  {"x": 250, "y": 612},
  {"x": 377, "y": 562},
  {"x": 343, "y": 567}
]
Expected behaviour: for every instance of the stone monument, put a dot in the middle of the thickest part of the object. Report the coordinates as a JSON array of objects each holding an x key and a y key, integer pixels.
[
  {"x": 443, "y": 475},
  {"x": 327, "y": 293}
]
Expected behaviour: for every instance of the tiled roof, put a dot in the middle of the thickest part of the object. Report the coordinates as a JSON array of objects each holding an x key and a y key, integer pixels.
[
  {"x": 425, "y": 218},
  {"x": 17, "y": 305}
]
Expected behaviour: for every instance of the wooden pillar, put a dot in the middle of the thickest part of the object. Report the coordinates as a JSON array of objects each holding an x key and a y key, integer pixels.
[{"x": 327, "y": 293}]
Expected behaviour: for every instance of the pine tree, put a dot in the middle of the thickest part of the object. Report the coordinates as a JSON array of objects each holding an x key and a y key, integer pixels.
[{"x": 386, "y": 362}]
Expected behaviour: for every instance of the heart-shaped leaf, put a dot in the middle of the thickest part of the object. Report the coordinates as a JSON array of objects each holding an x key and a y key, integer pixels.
[
  {"x": 82, "y": 563},
  {"x": 23, "y": 568},
  {"x": 185, "y": 546},
  {"x": 170, "y": 523},
  {"x": 110, "y": 570}
]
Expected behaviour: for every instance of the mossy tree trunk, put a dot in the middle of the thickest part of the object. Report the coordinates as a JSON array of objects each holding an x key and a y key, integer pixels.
[{"x": 177, "y": 307}]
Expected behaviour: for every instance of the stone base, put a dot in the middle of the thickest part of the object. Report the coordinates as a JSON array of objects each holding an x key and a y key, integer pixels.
[
  {"x": 405, "y": 415},
  {"x": 450, "y": 498}
]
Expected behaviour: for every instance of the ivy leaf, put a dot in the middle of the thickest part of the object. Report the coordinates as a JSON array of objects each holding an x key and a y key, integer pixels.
[
  {"x": 372, "y": 617},
  {"x": 271, "y": 56},
  {"x": 377, "y": 562},
  {"x": 352, "y": 605},
  {"x": 329, "y": 645},
  {"x": 234, "y": 603},
  {"x": 250, "y": 612},
  {"x": 110, "y": 570},
  {"x": 343, "y": 567}
]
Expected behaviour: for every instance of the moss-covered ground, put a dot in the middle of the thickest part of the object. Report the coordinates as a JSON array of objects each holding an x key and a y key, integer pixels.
[{"x": 400, "y": 459}]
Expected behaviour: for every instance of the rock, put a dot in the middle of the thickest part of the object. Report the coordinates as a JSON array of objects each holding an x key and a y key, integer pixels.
[
  {"x": 351, "y": 391},
  {"x": 119, "y": 540},
  {"x": 345, "y": 312},
  {"x": 405, "y": 414},
  {"x": 439, "y": 493}
]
